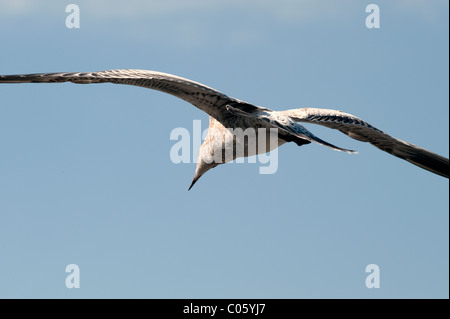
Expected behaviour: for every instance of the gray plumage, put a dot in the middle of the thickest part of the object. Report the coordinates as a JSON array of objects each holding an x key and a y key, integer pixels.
[{"x": 229, "y": 113}]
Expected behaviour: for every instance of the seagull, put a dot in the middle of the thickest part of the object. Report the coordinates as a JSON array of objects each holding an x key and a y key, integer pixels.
[{"x": 227, "y": 114}]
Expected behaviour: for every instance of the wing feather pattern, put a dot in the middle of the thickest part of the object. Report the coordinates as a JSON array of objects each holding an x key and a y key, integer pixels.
[
  {"x": 363, "y": 131},
  {"x": 205, "y": 98}
]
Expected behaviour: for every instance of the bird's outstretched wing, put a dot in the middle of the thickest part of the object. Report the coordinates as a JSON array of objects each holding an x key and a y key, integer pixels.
[
  {"x": 363, "y": 131},
  {"x": 205, "y": 98},
  {"x": 288, "y": 129}
]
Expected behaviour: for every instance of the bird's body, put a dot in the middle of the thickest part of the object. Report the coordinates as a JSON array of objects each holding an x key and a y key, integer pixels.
[{"x": 228, "y": 115}]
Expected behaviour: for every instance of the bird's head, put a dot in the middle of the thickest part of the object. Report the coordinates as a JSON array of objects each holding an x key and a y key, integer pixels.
[
  {"x": 201, "y": 169},
  {"x": 211, "y": 154}
]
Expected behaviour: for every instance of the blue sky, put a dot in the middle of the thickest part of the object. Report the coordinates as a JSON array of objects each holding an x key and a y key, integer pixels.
[{"x": 86, "y": 177}]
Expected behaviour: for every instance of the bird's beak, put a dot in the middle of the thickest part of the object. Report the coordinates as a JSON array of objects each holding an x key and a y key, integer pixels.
[
  {"x": 193, "y": 182},
  {"x": 201, "y": 169}
]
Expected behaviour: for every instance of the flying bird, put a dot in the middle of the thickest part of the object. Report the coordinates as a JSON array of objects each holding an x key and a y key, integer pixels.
[{"x": 227, "y": 114}]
